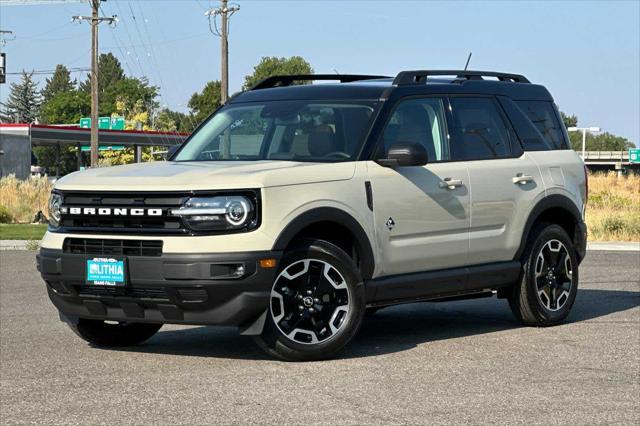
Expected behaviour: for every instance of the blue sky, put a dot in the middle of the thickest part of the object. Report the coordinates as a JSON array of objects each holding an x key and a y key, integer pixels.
[{"x": 586, "y": 53}]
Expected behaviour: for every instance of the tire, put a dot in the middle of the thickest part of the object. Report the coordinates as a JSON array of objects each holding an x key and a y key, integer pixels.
[
  {"x": 103, "y": 334},
  {"x": 548, "y": 286},
  {"x": 317, "y": 303}
]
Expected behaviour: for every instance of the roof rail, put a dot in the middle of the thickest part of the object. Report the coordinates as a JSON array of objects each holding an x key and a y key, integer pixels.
[
  {"x": 287, "y": 80},
  {"x": 420, "y": 77}
]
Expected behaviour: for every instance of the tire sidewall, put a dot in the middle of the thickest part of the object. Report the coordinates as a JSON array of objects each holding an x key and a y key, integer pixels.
[
  {"x": 288, "y": 349},
  {"x": 551, "y": 232}
]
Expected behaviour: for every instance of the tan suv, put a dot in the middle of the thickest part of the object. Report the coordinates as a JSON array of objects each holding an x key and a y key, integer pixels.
[{"x": 294, "y": 209}]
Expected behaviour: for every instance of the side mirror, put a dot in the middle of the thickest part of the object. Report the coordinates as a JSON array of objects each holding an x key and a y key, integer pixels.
[
  {"x": 403, "y": 154},
  {"x": 172, "y": 150}
]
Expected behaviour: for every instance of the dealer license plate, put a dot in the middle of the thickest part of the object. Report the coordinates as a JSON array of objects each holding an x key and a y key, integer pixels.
[{"x": 106, "y": 272}]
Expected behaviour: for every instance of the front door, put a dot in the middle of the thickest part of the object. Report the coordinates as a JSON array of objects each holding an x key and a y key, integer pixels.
[{"x": 421, "y": 213}]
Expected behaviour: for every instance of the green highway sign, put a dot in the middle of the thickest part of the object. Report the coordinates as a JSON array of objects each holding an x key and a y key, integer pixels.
[
  {"x": 104, "y": 123},
  {"x": 104, "y": 148},
  {"x": 634, "y": 155}
]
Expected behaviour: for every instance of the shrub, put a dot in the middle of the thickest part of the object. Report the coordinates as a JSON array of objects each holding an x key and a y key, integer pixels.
[
  {"x": 24, "y": 198},
  {"x": 5, "y": 215}
]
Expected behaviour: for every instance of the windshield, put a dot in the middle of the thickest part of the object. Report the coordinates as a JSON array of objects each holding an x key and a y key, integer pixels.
[{"x": 282, "y": 130}]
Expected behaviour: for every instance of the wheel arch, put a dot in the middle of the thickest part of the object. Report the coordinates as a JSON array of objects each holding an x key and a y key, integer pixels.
[
  {"x": 316, "y": 219},
  {"x": 561, "y": 210}
]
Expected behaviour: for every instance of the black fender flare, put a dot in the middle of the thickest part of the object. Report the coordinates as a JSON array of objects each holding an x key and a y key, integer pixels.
[
  {"x": 550, "y": 202},
  {"x": 331, "y": 214}
]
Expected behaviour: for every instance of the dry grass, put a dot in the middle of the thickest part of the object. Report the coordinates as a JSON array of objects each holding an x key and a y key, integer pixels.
[
  {"x": 613, "y": 210},
  {"x": 24, "y": 198}
]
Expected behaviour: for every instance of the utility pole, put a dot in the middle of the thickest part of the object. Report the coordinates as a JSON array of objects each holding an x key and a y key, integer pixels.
[
  {"x": 94, "y": 20},
  {"x": 224, "y": 11}
]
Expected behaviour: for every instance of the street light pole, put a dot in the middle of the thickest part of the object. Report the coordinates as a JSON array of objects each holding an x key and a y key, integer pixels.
[{"x": 584, "y": 131}]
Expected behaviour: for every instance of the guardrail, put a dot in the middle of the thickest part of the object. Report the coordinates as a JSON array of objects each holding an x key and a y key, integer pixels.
[{"x": 613, "y": 156}]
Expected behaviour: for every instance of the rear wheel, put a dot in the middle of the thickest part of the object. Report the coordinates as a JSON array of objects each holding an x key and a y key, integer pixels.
[
  {"x": 549, "y": 284},
  {"x": 111, "y": 334},
  {"x": 316, "y": 305}
]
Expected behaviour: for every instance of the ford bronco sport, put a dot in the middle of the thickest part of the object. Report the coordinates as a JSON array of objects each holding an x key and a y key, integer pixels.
[{"x": 295, "y": 209}]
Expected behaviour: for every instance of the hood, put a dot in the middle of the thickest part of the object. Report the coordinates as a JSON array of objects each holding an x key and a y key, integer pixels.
[{"x": 204, "y": 175}]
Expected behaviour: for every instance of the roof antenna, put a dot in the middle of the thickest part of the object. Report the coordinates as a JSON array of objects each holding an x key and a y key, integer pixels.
[{"x": 468, "y": 59}]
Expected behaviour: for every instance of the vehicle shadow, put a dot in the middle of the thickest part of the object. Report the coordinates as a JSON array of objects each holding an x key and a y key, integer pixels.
[{"x": 392, "y": 329}]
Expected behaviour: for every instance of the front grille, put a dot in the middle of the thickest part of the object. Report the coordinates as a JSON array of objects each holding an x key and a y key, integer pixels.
[
  {"x": 125, "y": 224},
  {"x": 112, "y": 247},
  {"x": 136, "y": 293}
]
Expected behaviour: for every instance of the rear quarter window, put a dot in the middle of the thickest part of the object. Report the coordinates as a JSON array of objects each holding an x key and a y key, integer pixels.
[{"x": 544, "y": 117}]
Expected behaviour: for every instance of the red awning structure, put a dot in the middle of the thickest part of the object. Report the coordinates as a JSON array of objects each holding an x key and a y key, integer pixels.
[
  {"x": 17, "y": 140},
  {"x": 52, "y": 135}
]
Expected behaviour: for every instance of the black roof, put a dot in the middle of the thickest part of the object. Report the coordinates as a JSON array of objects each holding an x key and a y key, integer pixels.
[{"x": 423, "y": 82}]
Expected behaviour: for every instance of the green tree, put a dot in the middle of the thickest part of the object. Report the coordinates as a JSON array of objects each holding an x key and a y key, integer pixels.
[
  {"x": 66, "y": 107},
  {"x": 109, "y": 72},
  {"x": 172, "y": 121},
  {"x": 272, "y": 65},
  {"x": 47, "y": 158},
  {"x": 569, "y": 120},
  {"x": 127, "y": 94},
  {"x": 59, "y": 82},
  {"x": 600, "y": 142},
  {"x": 23, "y": 102},
  {"x": 204, "y": 103}
]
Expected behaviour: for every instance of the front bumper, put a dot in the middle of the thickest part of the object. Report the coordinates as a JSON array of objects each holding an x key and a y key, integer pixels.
[{"x": 169, "y": 288}]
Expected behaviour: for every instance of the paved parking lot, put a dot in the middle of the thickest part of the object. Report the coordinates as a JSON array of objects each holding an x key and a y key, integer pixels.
[{"x": 460, "y": 362}]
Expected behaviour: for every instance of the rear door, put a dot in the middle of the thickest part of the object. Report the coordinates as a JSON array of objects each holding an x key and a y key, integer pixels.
[{"x": 504, "y": 180}]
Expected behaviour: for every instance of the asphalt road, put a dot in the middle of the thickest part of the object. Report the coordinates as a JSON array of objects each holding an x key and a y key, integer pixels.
[{"x": 459, "y": 362}]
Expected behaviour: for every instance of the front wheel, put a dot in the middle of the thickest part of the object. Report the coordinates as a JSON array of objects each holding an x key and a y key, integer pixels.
[
  {"x": 112, "y": 334},
  {"x": 316, "y": 305},
  {"x": 549, "y": 282}
]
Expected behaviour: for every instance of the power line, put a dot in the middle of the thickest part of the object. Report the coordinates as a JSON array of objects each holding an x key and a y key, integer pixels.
[{"x": 45, "y": 72}]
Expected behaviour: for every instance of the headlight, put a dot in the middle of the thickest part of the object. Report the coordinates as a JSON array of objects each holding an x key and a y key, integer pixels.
[
  {"x": 220, "y": 213},
  {"x": 55, "y": 202}
]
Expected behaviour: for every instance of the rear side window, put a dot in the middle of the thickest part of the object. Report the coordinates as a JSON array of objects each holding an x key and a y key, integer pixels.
[
  {"x": 543, "y": 115},
  {"x": 481, "y": 132}
]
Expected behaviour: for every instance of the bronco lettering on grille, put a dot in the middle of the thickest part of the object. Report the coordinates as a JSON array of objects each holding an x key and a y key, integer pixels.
[{"x": 107, "y": 211}]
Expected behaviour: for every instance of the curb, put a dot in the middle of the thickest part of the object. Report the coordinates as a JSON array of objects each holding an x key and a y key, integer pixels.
[
  {"x": 6, "y": 245},
  {"x": 614, "y": 246}
]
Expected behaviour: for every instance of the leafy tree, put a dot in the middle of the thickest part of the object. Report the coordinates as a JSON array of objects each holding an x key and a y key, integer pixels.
[
  {"x": 272, "y": 65},
  {"x": 173, "y": 121},
  {"x": 594, "y": 142},
  {"x": 125, "y": 94},
  {"x": 23, "y": 102},
  {"x": 48, "y": 159},
  {"x": 66, "y": 107},
  {"x": 109, "y": 72},
  {"x": 600, "y": 142},
  {"x": 204, "y": 103},
  {"x": 59, "y": 82},
  {"x": 569, "y": 120}
]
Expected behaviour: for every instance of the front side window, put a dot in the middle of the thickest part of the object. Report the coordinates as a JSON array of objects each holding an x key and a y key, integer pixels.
[
  {"x": 480, "y": 129},
  {"x": 282, "y": 130},
  {"x": 542, "y": 114},
  {"x": 419, "y": 121}
]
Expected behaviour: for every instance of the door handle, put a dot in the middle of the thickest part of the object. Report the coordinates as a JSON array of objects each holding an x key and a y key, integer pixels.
[
  {"x": 522, "y": 179},
  {"x": 449, "y": 183}
]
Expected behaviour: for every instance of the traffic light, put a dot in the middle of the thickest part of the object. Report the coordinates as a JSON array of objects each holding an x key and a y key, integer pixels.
[{"x": 3, "y": 68}]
